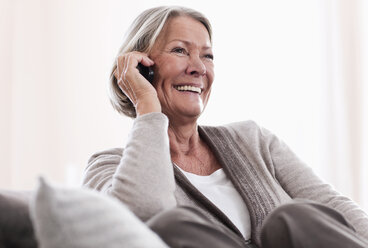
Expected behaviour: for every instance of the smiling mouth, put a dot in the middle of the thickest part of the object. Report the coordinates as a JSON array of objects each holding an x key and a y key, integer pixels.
[{"x": 189, "y": 88}]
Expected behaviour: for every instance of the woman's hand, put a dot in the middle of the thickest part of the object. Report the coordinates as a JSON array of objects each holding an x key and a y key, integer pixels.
[{"x": 140, "y": 92}]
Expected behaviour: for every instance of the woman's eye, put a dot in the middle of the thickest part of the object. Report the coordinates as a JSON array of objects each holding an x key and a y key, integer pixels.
[
  {"x": 209, "y": 56},
  {"x": 179, "y": 50}
]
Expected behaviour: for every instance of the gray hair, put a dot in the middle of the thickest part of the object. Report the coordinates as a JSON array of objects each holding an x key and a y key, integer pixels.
[{"x": 141, "y": 37}]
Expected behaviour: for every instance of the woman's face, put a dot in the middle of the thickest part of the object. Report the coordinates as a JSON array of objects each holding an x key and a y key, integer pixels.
[{"x": 183, "y": 68}]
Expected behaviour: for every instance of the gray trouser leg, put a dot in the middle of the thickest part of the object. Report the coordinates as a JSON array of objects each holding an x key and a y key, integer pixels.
[
  {"x": 187, "y": 227},
  {"x": 305, "y": 224}
]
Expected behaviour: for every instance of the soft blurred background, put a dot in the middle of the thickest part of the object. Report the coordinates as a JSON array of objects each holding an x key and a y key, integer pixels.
[{"x": 297, "y": 67}]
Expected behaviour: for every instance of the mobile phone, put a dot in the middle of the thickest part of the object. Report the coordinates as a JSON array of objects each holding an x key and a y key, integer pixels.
[{"x": 147, "y": 72}]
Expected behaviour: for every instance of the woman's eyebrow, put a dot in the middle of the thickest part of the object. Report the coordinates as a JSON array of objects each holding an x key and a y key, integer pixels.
[{"x": 189, "y": 43}]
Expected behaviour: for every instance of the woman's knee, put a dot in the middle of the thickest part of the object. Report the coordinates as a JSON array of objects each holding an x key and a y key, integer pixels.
[
  {"x": 292, "y": 220},
  {"x": 175, "y": 218},
  {"x": 303, "y": 211},
  {"x": 189, "y": 227},
  {"x": 275, "y": 229}
]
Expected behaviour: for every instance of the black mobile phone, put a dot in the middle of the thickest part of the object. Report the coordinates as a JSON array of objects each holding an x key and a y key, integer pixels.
[{"x": 147, "y": 72}]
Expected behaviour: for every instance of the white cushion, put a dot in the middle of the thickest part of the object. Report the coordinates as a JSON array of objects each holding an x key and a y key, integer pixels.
[{"x": 81, "y": 218}]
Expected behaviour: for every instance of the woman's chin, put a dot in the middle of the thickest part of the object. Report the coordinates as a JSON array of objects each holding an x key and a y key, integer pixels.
[
  {"x": 194, "y": 110},
  {"x": 186, "y": 113}
]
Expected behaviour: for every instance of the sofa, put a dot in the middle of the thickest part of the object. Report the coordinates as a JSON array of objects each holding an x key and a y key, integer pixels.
[
  {"x": 57, "y": 217},
  {"x": 16, "y": 228}
]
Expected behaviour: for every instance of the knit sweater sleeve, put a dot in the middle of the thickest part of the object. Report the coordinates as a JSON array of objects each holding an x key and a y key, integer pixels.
[
  {"x": 141, "y": 175},
  {"x": 299, "y": 181}
]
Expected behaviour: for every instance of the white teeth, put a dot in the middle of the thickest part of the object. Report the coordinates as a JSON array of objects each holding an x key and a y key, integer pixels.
[{"x": 189, "y": 88}]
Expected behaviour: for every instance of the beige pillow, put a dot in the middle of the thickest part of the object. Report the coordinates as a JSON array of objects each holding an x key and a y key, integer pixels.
[{"x": 81, "y": 218}]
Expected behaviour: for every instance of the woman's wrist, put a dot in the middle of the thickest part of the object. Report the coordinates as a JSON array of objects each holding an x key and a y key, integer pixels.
[{"x": 147, "y": 106}]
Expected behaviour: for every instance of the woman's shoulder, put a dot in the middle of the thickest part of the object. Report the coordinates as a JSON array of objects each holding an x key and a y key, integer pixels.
[
  {"x": 248, "y": 130},
  {"x": 248, "y": 125},
  {"x": 245, "y": 127}
]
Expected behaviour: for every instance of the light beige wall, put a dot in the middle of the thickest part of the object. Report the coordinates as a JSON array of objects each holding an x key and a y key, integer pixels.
[
  {"x": 5, "y": 91},
  {"x": 56, "y": 110}
]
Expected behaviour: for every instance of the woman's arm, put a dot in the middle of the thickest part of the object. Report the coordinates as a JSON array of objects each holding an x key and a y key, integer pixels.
[
  {"x": 299, "y": 181},
  {"x": 142, "y": 176}
]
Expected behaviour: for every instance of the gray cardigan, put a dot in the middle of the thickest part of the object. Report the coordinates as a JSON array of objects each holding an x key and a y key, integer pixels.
[{"x": 262, "y": 168}]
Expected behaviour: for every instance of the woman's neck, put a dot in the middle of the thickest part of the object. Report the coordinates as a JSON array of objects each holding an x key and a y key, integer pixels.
[
  {"x": 189, "y": 152},
  {"x": 184, "y": 139}
]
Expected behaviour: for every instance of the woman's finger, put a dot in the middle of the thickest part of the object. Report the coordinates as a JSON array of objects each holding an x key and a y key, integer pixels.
[
  {"x": 128, "y": 82},
  {"x": 123, "y": 81}
]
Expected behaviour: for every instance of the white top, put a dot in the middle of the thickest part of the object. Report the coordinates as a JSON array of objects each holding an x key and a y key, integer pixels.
[{"x": 218, "y": 188}]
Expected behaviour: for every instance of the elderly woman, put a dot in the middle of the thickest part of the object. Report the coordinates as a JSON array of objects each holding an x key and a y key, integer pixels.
[{"x": 201, "y": 186}]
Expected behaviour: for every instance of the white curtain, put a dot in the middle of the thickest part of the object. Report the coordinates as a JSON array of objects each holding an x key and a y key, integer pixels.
[{"x": 345, "y": 93}]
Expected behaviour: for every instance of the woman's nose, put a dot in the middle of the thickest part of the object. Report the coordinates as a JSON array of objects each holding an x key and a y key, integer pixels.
[{"x": 196, "y": 66}]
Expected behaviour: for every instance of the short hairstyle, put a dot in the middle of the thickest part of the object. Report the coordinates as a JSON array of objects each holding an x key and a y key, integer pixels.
[{"x": 141, "y": 37}]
